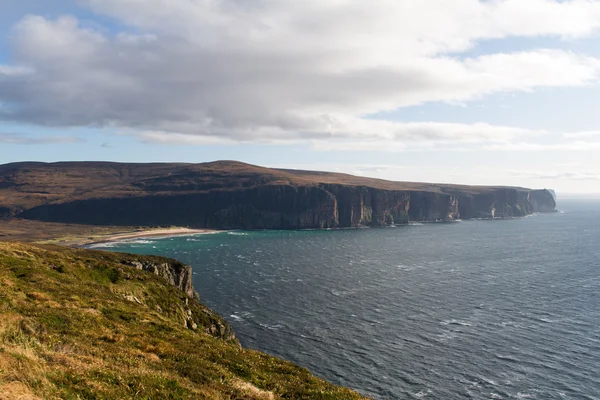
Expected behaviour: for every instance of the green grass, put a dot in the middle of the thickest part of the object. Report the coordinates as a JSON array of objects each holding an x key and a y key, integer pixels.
[{"x": 69, "y": 330}]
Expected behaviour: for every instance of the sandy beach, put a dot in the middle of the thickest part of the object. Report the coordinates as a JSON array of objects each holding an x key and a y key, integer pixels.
[
  {"x": 74, "y": 235},
  {"x": 161, "y": 232}
]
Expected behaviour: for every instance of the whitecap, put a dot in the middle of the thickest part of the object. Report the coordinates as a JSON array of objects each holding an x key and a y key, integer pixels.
[
  {"x": 522, "y": 395},
  {"x": 271, "y": 327},
  {"x": 444, "y": 337},
  {"x": 455, "y": 322},
  {"x": 138, "y": 241},
  {"x": 422, "y": 393},
  {"x": 103, "y": 245}
]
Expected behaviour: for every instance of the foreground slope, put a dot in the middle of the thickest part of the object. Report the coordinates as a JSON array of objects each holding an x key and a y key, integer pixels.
[
  {"x": 95, "y": 325},
  {"x": 233, "y": 195}
]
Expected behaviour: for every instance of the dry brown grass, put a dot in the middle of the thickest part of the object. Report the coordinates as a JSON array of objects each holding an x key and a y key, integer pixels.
[
  {"x": 252, "y": 391},
  {"x": 69, "y": 333},
  {"x": 16, "y": 391}
]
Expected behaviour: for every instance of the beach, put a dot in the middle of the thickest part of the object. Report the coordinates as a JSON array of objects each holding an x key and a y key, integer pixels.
[
  {"x": 146, "y": 233},
  {"x": 77, "y": 235}
]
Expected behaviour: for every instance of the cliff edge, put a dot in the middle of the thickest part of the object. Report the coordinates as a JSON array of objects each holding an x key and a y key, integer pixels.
[{"x": 233, "y": 195}]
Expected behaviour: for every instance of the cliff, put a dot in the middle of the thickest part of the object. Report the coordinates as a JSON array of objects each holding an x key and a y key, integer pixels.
[
  {"x": 82, "y": 324},
  {"x": 231, "y": 195},
  {"x": 174, "y": 273}
]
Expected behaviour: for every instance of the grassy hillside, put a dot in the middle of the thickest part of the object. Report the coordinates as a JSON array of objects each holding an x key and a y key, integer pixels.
[{"x": 79, "y": 324}]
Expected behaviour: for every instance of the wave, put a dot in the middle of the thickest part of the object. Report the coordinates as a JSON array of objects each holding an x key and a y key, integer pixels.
[
  {"x": 138, "y": 241},
  {"x": 236, "y": 317},
  {"x": 455, "y": 322},
  {"x": 102, "y": 245},
  {"x": 271, "y": 327},
  {"x": 116, "y": 243},
  {"x": 423, "y": 393}
]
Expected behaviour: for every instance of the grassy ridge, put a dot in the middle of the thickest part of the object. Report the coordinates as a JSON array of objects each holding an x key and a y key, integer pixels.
[{"x": 79, "y": 324}]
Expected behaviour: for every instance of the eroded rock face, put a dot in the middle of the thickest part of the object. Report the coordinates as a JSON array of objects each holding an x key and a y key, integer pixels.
[
  {"x": 542, "y": 200},
  {"x": 180, "y": 276},
  {"x": 292, "y": 207},
  {"x": 233, "y": 195},
  {"x": 426, "y": 206},
  {"x": 175, "y": 274}
]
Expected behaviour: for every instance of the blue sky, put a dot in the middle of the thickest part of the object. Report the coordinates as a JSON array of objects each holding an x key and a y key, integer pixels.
[{"x": 502, "y": 92}]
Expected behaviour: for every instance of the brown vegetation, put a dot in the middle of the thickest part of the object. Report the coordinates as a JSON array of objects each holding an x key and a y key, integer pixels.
[{"x": 80, "y": 324}]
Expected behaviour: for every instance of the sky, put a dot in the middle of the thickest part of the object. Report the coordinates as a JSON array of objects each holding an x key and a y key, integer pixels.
[{"x": 495, "y": 92}]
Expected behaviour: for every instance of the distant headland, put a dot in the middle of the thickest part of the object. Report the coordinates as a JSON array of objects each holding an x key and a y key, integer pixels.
[{"x": 234, "y": 195}]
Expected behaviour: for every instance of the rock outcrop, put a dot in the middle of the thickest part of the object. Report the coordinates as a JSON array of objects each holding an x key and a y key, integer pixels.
[
  {"x": 174, "y": 273},
  {"x": 179, "y": 276}
]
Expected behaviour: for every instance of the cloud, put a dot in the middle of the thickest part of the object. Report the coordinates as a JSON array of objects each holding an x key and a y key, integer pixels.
[
  {"x": 483, "y": 175},
  {"x": 15, "y": 138},
  {"x": 569, "y": 175},
  {"x": 583, "y": 176},
  {"x": 585, "y": 134},
  {"x": 572, "y": 146},
  {"x": 356, "y": 134},
  {"x": 282, "y": 72}
]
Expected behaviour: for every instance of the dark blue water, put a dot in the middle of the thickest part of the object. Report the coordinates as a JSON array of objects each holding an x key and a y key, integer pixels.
[{"x": 475, "y": 309}]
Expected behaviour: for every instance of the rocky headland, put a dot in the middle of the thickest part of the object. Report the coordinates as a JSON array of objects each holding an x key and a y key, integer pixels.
[{"x": 233, "y": 195}]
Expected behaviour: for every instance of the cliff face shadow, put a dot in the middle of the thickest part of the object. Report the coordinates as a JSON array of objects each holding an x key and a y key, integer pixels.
[{"x": 233, "y": 195}]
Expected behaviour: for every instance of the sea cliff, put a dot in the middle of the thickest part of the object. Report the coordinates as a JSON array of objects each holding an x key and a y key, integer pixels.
[
  {"x": 289, "y": 207},
  {"x": 231, "y": 195}
]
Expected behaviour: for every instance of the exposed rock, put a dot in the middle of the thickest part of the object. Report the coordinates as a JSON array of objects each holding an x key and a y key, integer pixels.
[
  {"x": 289, "y": 207},
  {"x": 231, "y": 195},
  {"x": 180, "y": 276},
  {"x": 176, "y": 274},
  {"x": 542, "y": 200}
]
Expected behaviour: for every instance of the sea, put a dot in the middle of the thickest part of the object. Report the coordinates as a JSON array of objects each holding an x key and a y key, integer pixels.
[{"x": 478, "y": 309}]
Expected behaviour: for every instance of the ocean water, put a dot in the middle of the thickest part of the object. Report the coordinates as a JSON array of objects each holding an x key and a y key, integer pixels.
[{"x": 505, "y": 309}]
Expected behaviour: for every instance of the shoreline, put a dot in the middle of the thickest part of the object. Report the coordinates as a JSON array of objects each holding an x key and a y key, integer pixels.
[{"x": 147, "y": 233}]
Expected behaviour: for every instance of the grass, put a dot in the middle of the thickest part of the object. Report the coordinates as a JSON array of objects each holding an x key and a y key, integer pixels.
[{"x": 80, "y": 324}]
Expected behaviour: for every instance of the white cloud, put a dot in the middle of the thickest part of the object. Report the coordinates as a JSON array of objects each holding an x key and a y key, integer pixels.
[
  {"x": 585, "y": 134},
  {"x": 564, "y": 179},
  {"x": 574, "y": 146},
  {"x": 281, "y": 72},
  {"x": 16, "y": 138},
  {"x": 424, "y": 27}
]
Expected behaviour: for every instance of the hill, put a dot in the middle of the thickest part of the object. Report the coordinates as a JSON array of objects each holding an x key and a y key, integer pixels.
[
  {"x": 81, "y": 324},
  {"x": 234, "y": 195}
]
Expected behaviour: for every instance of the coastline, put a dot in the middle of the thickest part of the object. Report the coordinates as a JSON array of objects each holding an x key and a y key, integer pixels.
[
  {"x": 142, "y": 233},
  {"x": 79, "y": 235}
]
